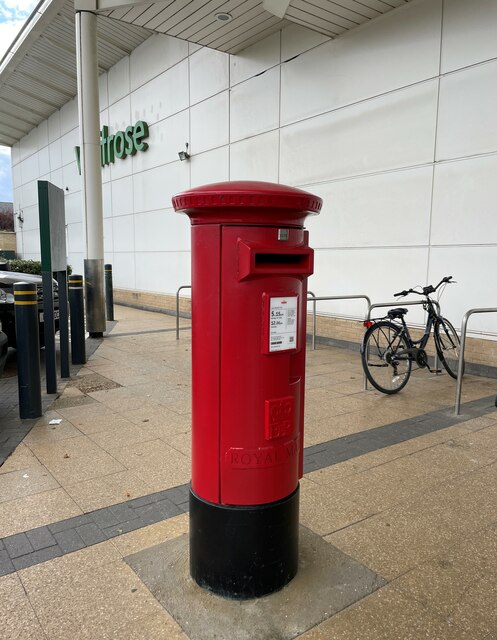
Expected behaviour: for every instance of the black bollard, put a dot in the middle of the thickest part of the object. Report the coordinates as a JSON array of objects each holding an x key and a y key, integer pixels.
[
  {"x": 109, "y": 293},
  {"x": 65, "y": 371},
  {"x": 28, "y": 350},
  {"x": 77, "y": 315}
]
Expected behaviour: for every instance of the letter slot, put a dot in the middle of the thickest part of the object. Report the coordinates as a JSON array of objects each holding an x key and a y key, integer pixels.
[{"x": 255, "y": 261}]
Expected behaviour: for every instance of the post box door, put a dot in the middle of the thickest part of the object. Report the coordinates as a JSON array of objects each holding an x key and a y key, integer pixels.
[{"x": 262, "y": 362}]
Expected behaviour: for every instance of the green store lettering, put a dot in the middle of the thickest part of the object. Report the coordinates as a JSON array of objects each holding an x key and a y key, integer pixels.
[{"x": 120, "y": 144}]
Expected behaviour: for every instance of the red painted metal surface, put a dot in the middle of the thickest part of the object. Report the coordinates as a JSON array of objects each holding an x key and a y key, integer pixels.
[
  {"x": 247, "y": 202},
  {"x": 249, "y": 289}
]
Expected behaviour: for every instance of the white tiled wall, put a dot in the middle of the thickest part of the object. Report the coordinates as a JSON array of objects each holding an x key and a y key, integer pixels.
[
  {"x": 210, "y": 166},
  {"x": 209, "y": 74},
  {"x": 384, "y": 133},
  {"x": 468, "y": 104},
  {"x": 390, "y": 209},
  {"x": 468, "y": 189},
  {"x": 469, "y": 33},
  {"x": 392, "y": 124},
  {"x": 364, "y": 271},
  {"x": 401, "y": 49},
  {"x": 254, "y": 105},
  {"x": 256, "y": 158},
  {"x": 209, "y": 123}
]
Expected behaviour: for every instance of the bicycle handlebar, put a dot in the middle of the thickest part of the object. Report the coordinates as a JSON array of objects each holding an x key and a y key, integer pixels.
[{"x": 426, "y": 290}]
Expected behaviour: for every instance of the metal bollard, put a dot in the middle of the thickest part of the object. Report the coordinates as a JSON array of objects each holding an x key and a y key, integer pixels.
[
  {"x": 65, "y": 371},
  {"x": 77, "y": 315},
  {"x": 109, "y": 292},
  {"x": 28, "y": 349}
]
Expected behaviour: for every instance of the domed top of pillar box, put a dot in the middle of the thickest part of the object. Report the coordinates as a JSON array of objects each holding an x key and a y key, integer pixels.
[{"x": 247, "y": 202}]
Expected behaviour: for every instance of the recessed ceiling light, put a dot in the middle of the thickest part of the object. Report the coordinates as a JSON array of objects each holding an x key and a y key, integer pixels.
[{"x": 223, "y": 17}]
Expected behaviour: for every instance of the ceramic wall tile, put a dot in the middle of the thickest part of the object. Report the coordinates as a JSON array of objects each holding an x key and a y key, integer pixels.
[
  {"x": 468, "y": 103},
  {"x": 254, "y": 105},
  {"x": 469, "y": 33},
  {"x": 209, "y": 123},
  {"x": 389, "y": 132},
  {"x": 256, "y": 158}
]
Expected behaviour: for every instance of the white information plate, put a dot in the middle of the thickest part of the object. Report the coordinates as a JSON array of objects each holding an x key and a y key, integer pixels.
[{"x": 283, "y": 324}]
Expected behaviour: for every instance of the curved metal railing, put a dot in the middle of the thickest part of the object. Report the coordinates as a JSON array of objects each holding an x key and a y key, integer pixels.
[
  {"x": 184, "y": 286},
  {"x": 404, "y": 303},
  {"x": 312, "y": 298},
  {"x": 460, "y": 374}
]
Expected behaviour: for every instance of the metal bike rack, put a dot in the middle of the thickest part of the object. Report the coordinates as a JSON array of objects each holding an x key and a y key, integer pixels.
[
  {"x": 397, "y": 303},
  {"x": 460, "y": 374},
  {"x": 312, "y": 298},
  {"x": 185, "y": 286},
  {"x": 407, "y": 303}
]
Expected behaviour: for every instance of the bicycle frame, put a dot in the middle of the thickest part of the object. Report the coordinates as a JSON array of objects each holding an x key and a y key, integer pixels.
[{"x": 433, "y": 316}]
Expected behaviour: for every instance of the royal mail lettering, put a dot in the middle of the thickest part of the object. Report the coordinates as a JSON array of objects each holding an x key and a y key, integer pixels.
[{"x": 262, "y": 456}]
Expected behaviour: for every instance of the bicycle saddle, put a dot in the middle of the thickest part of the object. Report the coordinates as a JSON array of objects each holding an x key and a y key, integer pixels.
[{"x": 398, "y": 312}]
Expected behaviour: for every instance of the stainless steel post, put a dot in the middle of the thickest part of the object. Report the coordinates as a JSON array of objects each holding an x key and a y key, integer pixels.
[
  {"x": 109, "y": 292},
  {"x": 460, "y": 364},
  {"x": 185, "y": 286},
  {"x": 313, "y": 295},
  {"x": 94, "y": 290}
]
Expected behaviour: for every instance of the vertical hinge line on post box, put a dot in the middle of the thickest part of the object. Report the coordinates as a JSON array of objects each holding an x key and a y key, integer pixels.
[{"x": 220, "y": 265}]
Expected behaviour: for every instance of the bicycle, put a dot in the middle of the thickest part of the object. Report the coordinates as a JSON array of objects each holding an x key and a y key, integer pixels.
[{"x": 388, "y": 351}]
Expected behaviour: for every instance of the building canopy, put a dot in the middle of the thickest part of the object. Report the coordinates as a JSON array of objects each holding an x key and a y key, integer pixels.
[{"x": 38, "y": 72}]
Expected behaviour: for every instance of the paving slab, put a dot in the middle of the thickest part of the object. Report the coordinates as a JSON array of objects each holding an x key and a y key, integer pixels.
[
  {"x": 400, "y": 483},
  {"x": 328, "y": 581}
]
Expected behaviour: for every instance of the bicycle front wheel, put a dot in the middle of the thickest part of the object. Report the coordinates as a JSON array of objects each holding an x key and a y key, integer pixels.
[
  {"x": 448, "y": 346},
  {"x": 385, "y": 357}
]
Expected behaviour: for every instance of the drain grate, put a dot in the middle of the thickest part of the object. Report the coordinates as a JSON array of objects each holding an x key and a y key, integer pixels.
[
  {"x": 92, "y": 382},
  {"x": 72, "y": 401}
]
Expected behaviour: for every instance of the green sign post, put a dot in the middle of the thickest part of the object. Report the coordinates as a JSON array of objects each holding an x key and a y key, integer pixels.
[{"x": 53, "y": 259}]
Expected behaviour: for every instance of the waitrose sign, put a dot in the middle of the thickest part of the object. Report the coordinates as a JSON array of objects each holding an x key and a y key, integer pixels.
[{"x": 120, "y": 144}]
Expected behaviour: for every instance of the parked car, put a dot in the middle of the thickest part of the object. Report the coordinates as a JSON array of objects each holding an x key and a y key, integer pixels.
[
  {"x": 4, "y": 347},
  {"x": 7, "y": 314}
]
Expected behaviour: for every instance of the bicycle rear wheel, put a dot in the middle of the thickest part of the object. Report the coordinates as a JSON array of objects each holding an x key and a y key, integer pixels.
[
  {"x": 448, "y": 346},
  {"x": 385, "y": 359}
]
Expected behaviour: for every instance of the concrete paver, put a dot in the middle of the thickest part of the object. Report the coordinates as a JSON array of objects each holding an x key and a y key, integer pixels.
[
  {"x": 17, "y": 616},
  {"x": 76, "y": 459},
  {"x": 323, "y": 510},
  {"x": 159, "y": 626},
  {"x": 21, "y": 458},
  {"x": 25, "y": 482},
  {"x": 35, "y": 511},
  {"x": 422, "y": 513},
  {"x": 90, "y": 601},
  {"x": 385, "y": 615},
  {"x": 106, "y": 490},
  {"x": 408, "y": 534}
]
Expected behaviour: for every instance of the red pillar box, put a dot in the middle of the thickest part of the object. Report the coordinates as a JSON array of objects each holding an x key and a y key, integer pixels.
[{"x": 250, "y": 263}]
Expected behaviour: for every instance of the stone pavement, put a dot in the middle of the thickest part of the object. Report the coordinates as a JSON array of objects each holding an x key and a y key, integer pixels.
[
  {"x": 396, "y": 482},
  {"x": 12, "y": 428}
]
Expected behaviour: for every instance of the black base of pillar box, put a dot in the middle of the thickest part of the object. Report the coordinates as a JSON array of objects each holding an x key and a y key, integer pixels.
[
  {"x": 96, "y": 334},
  {"x": 247, "y": 551}
]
